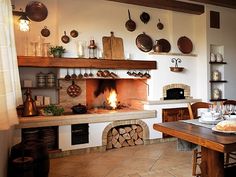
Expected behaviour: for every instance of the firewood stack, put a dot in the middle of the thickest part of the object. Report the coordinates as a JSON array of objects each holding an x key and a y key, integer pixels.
[{"x": 125, "y": 136}]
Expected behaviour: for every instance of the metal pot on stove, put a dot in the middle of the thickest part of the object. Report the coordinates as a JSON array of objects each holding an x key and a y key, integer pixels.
[{"x": 79, "y": 109}]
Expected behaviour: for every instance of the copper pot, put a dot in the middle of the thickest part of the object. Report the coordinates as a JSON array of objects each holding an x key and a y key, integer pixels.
[
  {"x": 130, "y": 24},
  {"x": 65, "y": 39}
]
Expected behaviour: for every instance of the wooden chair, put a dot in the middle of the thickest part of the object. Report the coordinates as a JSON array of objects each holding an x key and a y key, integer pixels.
[
  {"x": 230, "y": 158},
  {"x": 192, "y": 108}
]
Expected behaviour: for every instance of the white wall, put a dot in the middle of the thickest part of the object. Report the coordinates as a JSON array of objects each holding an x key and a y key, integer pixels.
[
  {"x": 225, "y": 36},
  {"x": 96, "y": 18}
]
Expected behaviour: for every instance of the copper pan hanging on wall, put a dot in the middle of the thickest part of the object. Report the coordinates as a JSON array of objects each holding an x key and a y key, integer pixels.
[{"x": 36, "y": 11}]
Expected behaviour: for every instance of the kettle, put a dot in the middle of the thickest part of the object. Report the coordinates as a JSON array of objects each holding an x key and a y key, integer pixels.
[{"x": 29, "y": 105}]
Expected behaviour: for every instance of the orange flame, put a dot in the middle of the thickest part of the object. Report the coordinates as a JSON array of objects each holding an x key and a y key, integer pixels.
[{"x": 112, "y": 99}]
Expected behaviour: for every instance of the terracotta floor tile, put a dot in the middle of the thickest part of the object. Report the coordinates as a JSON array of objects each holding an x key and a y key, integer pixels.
[{"x": 156, "y": 160}]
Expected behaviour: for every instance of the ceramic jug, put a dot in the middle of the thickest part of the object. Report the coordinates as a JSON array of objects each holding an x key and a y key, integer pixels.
[
  {"x": 213, "y": 57},
  {"x": 219, "y": 57},
  {"x": 216, "y": 94}
]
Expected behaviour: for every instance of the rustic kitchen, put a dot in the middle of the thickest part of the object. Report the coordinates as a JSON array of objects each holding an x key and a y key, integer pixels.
[{"x": 123, "y": 66}]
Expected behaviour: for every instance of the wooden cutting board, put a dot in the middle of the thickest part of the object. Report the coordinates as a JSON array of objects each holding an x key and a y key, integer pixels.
[{"x": 113, "y": 47}]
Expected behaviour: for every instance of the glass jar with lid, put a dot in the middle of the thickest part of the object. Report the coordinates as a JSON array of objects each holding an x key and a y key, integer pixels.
[{"x": 41, "y": 80}]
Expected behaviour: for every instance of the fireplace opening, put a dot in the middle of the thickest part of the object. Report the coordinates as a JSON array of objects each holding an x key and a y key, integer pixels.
[
  {"x": 124, "y": 136},
  {"x": 114, "y": 94},
  {"x": 174, "y": 93}
]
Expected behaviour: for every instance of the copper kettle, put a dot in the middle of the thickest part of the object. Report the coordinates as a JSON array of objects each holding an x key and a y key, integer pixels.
[{"x": 29, "y": 105}]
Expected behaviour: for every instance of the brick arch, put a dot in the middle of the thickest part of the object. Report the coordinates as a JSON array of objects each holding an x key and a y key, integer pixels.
[
  {"x": 125, "y": 122},
  {"x": 186, "y": 89}
]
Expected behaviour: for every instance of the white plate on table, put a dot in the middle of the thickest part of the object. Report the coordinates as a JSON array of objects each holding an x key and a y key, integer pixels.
[
  {"x": 210, "y": 121},
  {"x": 221, "y": 131},
  {"x": 231, "y": 117}
]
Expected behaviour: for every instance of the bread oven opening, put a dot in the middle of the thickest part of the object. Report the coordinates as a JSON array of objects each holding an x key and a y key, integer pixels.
[
  {"x": 115, "y": 94},
  {"x": 176, "y": 91}
]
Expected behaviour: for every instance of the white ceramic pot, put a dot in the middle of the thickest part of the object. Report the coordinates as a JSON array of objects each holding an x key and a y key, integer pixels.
[
  {"x": 213, "y": 57},
  {"x": 219, "y": 57}
]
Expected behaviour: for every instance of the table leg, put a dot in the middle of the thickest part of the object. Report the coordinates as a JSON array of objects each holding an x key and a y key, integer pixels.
[{"x": 212, "y": 163}]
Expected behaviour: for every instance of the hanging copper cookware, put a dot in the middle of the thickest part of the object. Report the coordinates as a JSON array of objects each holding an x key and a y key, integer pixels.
[
  {"x": 144, "y": 42},
  {"x": 160, "y": 25},
  {"x": 145, "y": 17},
  {"x": 74, "y": 33},
  {"x": 74, "y": 90},
  {"x": 45, "y": 32},
  {"x": 65, "y": 39},
  {"x": 130, "y": 24},
  {"x": 36, "y": 11}
]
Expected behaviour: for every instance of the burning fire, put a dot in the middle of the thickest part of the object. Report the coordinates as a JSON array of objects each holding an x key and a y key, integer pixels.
[{"x": 112, "y": 99}]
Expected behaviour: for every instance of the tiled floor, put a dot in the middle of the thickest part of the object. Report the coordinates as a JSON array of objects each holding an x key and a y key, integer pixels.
[{"x": 156, "y": 160}]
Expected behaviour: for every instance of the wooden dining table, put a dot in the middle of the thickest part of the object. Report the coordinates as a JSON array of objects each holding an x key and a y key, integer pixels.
[{"x": 213, "y": 145}]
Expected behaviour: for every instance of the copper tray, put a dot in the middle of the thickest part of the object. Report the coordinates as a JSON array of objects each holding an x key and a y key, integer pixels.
[
  {"x": 165, "y": 45},
  {"x": 144, "y": 42},
  {"x": 185, "y": 45},
  {"x": 36, "y": 11}
]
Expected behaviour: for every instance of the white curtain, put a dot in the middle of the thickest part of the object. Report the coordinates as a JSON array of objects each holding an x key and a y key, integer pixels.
[{"x": 10, "y": 90}]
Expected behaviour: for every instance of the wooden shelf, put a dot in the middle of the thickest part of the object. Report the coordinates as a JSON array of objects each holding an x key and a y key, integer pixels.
[
  {"x": 41, "y": 88},
  {"x": 221, "y": 81},
  {"x": 218, "y": 62},
  {"x": 172, "y": 54},
  {"x": 49, "y": 62},
  {"x": 218, "y": 99}
]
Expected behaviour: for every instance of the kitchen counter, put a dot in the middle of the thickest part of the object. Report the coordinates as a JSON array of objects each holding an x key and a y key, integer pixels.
[
  {"x": 91, "y": 117},
  {"x": 161, "y": 102}
]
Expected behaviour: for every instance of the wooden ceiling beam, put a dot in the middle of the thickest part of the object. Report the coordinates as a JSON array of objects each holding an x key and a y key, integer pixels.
[
  {"x": 167, "y": 5},
  {"x": 223, "y": 3}
]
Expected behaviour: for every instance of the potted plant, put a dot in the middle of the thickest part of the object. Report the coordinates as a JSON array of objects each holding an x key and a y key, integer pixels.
[{"x": 57, "y": 51}]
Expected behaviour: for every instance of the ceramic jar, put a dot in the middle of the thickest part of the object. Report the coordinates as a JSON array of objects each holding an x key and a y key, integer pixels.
[
  {"x": 219, "y": 57},
  {"x": 216, "y": 75},
  {"x": 41, "y": 79},
  {"x": 216, "y": 94},
  {"x": 213, "y": 57},
  {"x": 51, "y": 80}
]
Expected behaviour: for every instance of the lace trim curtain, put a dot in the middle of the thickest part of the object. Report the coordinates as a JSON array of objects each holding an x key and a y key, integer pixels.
[{"x": 10, "y": 90}]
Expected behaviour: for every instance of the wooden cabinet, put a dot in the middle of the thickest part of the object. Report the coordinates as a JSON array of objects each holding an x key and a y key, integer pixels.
[{"x": 174, "y": 114}]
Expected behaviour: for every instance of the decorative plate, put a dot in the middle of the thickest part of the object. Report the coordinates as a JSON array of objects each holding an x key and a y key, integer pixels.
[{"x": 185, "y": 45}]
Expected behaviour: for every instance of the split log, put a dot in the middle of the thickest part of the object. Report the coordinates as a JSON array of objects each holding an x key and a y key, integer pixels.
[
  {"x": 140, "y": 134},
  {"x": 132, "y": 132},
  {"x": 117, "y": 136},
  {"x": 128, "y": 129},
  {"x": 109, "y": 145},
  {"x": 109, "y": 138},
  {"x": 139, "y": 129},
  {"x": 114, "y": 132},
  {"x": 134, "y": 127},
  {"x": 125, "y": 144},
  {"x": 138, "y": 141},
  {"x": 135, "y": 137},
  {"x": 114, "y": 141},
  {"x": 121, "y": 139},
  {"x": 131, "y": 142},
  {"x": 127, "y": 136},
  {"x": 122, "y": 131},
  {"x": 117, "y": 145}
]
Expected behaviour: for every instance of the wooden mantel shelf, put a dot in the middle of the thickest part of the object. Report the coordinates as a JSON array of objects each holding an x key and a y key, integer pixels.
[{"x": 49, "y": 62}]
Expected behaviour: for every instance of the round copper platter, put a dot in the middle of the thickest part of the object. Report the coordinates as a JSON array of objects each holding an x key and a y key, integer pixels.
[
  {"x": 144, "y": 42},
  {"x": 36, "y": 11},
  {"x": 185, "y": 45}
]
